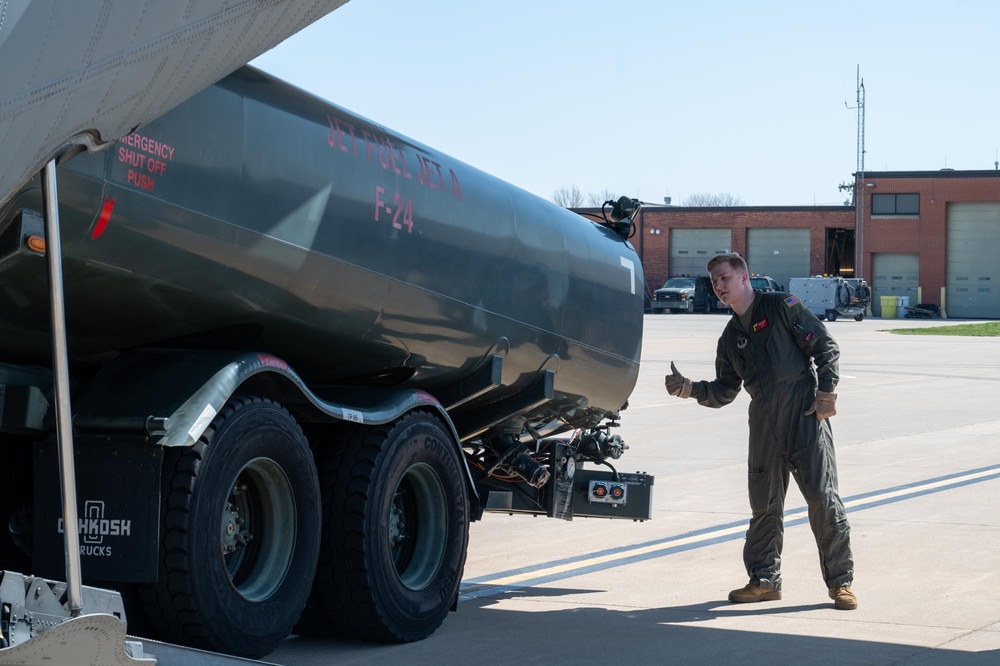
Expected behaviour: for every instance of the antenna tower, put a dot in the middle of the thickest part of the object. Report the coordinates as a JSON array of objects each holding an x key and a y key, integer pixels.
[{"x": 859, "y": 183}]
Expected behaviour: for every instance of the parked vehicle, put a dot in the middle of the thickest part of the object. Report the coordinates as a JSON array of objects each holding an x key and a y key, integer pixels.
[
  {"x": 832, "y": 297},
  {"x": 763, "y": 283},
  {"x": 685, "y": 294}
]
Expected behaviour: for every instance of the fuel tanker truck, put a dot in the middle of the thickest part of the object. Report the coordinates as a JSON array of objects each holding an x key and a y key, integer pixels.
[{"x": 303, "y": 353}]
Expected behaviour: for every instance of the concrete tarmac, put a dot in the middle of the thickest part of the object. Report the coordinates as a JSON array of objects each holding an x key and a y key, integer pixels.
[{"x": 917, "y": 436}]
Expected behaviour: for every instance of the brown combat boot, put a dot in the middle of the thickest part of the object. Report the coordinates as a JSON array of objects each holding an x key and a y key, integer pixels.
[
  {"x": 753, "y": 592},
  {"x": 843, "y": 598}
]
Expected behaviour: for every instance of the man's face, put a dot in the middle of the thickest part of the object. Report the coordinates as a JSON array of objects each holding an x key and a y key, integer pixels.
[{"x": 726, "y": 281}]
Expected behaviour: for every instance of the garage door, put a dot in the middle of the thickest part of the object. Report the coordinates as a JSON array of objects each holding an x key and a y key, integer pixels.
[
  {"x": 973, "y": 274},
  {"x": 780, "y": 253},
  {"x": 894, "y": 275},
  {"x": 690, "y": 249}
]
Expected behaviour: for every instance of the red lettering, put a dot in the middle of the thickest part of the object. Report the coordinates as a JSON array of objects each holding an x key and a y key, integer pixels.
[
  {"x": 131, "y": 158},
  {"x": 148, "y": 145},
  {"x": 402, "y": 210},
  {"x": 369, "y": 140},
  {"x": 378, "y": 200},
  {"x": 330, "y": 138},
  {"x": 440, "y": 178},
  {"x": 140, "y": 180},
  {"x": 156, "y": 166},
  {"x": 394, "y": 151},
  {"x": 383, "y": 155},
  {"x": 335, "y": 137},
  {"x": 426, "y": 175},
  {"x": 390, "y": 157},
  {"x": 422, "y": 177},
  {"x": 397, "y": 201},
  {"x": 340, "y": 136},
  {"x": 408, "y": 216},
  {"x": 354, "y": 140},
  {"x": 402, "y": 161}
]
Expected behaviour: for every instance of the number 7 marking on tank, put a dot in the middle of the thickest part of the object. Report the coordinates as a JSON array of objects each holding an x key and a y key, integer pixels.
[{"x": 628, "y": 263}]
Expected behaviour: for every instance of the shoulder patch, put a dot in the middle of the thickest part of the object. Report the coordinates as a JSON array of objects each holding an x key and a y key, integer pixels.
[{"x": 791, "y": 301}]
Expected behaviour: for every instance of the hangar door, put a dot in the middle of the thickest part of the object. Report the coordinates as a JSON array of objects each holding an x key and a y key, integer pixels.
[
  {"x": 690, "y": 249},
  {"x": 973, "y": 277},
  {"x": 780, "y": 253},
  {"x": 894, "y": 275}
]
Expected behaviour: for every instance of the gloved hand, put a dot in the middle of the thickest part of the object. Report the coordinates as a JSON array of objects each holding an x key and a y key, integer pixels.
[
  {"x": 677, "y": 384},
  {"x": 824, "y": 406}
]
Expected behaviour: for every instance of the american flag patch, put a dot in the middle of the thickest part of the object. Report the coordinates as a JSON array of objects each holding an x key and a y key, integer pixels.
[{"x": 791, "y": 300}]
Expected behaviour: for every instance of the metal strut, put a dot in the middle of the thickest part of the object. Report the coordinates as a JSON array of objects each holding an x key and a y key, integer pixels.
[{"x": 60, "y": 368}]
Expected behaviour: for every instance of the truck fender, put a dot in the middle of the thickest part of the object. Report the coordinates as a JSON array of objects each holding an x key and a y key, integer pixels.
[{"x": 174, "y": 394}]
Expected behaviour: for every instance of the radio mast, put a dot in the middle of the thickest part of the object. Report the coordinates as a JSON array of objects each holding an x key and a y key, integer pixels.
[{"x": 859, "y": 183}]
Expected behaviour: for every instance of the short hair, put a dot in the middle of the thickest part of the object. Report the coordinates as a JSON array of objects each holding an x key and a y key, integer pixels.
[{"x": 732, "y": 258}]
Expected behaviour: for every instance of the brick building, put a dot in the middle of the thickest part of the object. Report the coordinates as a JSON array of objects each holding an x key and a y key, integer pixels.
[
  {"x": 935, "y": 235},
  {"x": 930, "y": 236}
]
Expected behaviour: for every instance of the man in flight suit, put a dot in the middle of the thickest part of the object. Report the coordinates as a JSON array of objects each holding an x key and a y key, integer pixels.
[{"x": 770, "y": 347}]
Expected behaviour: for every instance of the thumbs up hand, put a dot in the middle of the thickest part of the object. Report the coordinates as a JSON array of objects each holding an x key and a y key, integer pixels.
[{"x": 677, "y": 384}]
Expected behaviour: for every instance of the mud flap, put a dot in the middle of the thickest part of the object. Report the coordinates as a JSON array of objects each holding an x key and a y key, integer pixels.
[{"x": 119, "y": 515}]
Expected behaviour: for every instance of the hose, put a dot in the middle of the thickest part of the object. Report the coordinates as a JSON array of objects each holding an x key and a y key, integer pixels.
[
  {"x": 864, "y": 294},
  {"x": 844, "y": 293}
]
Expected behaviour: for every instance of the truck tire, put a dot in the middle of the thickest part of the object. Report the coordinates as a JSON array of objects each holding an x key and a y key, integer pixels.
[
  {"x": 690, "y": 307},
  {"x": 240, "y": 533},
  {"x": 859, "y": 317},
  {"x": 395, "y": 530},
  {"x": 831, "y": 315}
]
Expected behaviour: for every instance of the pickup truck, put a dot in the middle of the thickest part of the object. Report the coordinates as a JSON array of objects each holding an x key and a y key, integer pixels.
[
  {"x": 762, "y": 283},
  {"x": 685, "y": 294}
]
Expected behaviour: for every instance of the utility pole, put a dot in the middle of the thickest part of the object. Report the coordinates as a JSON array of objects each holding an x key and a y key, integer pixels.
[{"x": 859, "y": 184}]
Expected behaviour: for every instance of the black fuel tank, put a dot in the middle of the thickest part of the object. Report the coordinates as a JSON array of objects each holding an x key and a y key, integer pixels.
[{"x": 257, "y": 216}]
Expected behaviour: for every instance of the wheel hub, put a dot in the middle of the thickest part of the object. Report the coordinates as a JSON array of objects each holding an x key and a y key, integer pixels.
[
  {"x": 234, "y": 534},
  {"x": 397, "y": 524},
  {"x": 257, "y": 534}
]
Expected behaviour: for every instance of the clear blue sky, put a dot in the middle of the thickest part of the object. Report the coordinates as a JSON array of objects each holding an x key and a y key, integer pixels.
[{"x": 654, "y": 98}]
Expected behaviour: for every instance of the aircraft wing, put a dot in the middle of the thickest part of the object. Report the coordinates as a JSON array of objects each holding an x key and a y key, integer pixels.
[{"x": 88, "y": 72}]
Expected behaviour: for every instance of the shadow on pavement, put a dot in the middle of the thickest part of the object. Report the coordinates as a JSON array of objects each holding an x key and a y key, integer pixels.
[{"x": 485, "y": 631}]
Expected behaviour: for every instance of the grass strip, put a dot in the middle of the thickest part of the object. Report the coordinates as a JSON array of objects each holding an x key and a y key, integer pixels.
[{"x": 989, "y": 329}]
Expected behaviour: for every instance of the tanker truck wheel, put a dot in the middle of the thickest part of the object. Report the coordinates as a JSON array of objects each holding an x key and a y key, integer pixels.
[
  {"x": 240, "y": 533},
  {"x": 395, "y": 531}
]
